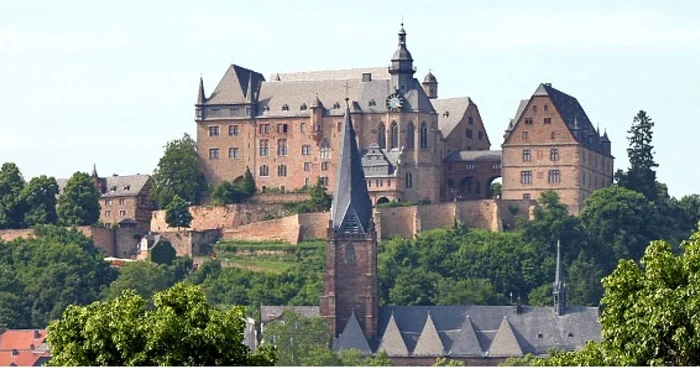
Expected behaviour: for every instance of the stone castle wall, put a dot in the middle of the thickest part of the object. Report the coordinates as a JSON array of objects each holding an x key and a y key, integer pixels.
[{"x": 217, "y": 217}]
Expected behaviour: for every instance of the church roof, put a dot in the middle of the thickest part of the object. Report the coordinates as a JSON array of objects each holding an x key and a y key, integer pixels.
[
  {"x": 505, "y": 343},
  {"x": 392, "y": 340},
  {"x": 352, "y": 337},
  {"x": 352, "y": 208},
  {"x": 429, "y": 342},
  {"x": 466, "y": 343}
]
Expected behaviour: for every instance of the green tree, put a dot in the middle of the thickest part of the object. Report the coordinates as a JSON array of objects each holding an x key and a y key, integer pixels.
[
  {"x": 583, "y": 281},
  {"x": 496, "y": 190},
  {"x": 163, "y": 253},
  {"x": 79, "y": 204},
  {"x": 178, "y": 173},
  {"x": 226, "y": 193},
  {"x": 541, "y": 296},
  {"x": 381, "y": 359},
  {"x": 415, "y": 287},
  {"x": 641, "y": 176},
  {"x": 300, "y": 340},
  {"x": 11, "y": 205},
  {"x": 248, "y": 185},
  {"x": 146, "y": 278},
  {"x": 180, "y": 330},
  {"x": 620, "y": 222},
  {"x": 468, "y": 292},
  {"x": 320, "y": 200},
  {"x": 177, "y": 213},
  {"x": 40, "y": 199},
  {"x": 447, "y": 362}
]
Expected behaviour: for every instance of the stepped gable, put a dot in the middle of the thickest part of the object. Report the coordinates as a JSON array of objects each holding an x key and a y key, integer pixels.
[
  {"x": 505, "y": 343},
  {"x": 466, "y": 343},
  {"x": 352, "y": 337},
  {"x": 429, "y": 343},
  {"x": 352, "y": 208},
  {"x": 392, "y": 342}
]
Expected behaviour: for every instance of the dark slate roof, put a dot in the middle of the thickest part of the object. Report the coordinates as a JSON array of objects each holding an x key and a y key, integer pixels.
[
  {"x": 269, "y": 313},
  {"x": 352, "y": 337},
  {"x": 458, "y": 156},
  {"x": 430, "y": 78},
  {"x": 536, "y": 329},
  {"x": 450, "y": 112},
  {"x": 429, "y": 343},
  {"x": 571, "y": 112},
  {"x": 392, "y": 340},
  {"x": 505, "y": 343},
  {"x": 338, "y": 74},
  {"x": 233, "y": 87},
  {"x": 352, "y": 208},
  {"x": 117, "y": 186}
]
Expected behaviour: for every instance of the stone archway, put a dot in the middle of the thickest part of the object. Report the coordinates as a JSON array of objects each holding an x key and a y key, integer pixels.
[
  {"x": 383, "y": 200},
  {"x": 489, "y": 189},
  {"x": 238, "y": 180}
]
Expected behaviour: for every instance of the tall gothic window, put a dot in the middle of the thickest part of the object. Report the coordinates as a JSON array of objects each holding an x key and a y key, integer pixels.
[
  {"x": 350, "y": 253},
  {"x": 325, "y": 150},
  {"x": 410, "y": 135},
  {"x": 381, "y": 135},
  {"x": 394, "y": 135},
  {"x": 424, "y": 135}
]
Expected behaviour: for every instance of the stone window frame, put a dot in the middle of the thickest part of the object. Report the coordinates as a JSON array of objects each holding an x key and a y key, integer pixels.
[
  {"x": 281, "y": 170},
  {"x": 233, "y": 129},
  {"x": 409, "y": 180},
  {"x": 282, "y": 149},
  {"x": 394, "y": 135},
  {"x": 381, "y": 135},
  {"x": 325, "y": 166},
  {"x": 325, "y": 151},
  {"x": 122, "y": 213},
  {"x": 529, "y": 121},
  {"x": 213, "y": 153},
  {"x": 264, "y": 171},
  {"x": 527, "y": 155},
  {"x": 470, "y": 120},
  {"x": 282, "y": 128},
  {"x": 526, "y": 177},
  {"x": 424, "y": 135},
  {"x": 324, "y": 181},
  {"x": 233, "y": 153},
  {"x": 547, "y": 120},
  {"x": 307, "y": 166},
  {"x": 213, "y": 130},
  {"x": 108, "y": 213},
  {"x": 525, "y": 134},
  {"x": 306, "y": 149},
  {"x": 469, "y": 134},
  {"x": 554, "y": 176},
  {"x": 264, "y": 148},
  {"x": 410, "y": 135},
  {"x": 554, "y": 154}
]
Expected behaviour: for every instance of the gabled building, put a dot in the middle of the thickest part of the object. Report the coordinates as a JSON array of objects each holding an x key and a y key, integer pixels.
[
  {"x": 417, "y": 335},
  {"x": 23, "y": 348},
  {"x": 552, "y": 144}
]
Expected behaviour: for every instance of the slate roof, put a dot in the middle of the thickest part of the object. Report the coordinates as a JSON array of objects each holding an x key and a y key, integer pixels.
[
  {"x": 458, "y": 156},
  {"x": 377, "y": 162},
  {"x": 429, "y": 343},
  {"x": 450, "y": 112},
  {"x": 351, "y": 211},
  {"x": 392, "y": 340},
  {"x": 269, "y": 313},
  {"x": 116, "y": 186},
  {"x": 339, "y": 74},
  {"x": 353, "y": 337},
  {"x": 233, "y": 86}
]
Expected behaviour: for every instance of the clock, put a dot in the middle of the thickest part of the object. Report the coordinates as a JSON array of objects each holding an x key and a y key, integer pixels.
[{"x": 394, "y": 102}]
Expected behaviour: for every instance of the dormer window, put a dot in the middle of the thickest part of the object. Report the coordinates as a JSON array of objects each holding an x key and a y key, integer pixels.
[
  {"x": 113, "y": 188},
  {"x": 285, "y": 107},
  {"x": 445, "y": 114},
  {"x": 266, "y": 108},
  {"x": 336, "y": 105},
  {"x": 128, "y": 187},
  {"x": 302, "y": 107},
  {"x": 372, "y": 102}
]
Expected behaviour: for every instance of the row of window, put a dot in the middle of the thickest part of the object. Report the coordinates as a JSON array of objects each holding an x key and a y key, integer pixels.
[
  {"x": 122, "y": 213},
  {"x": 553, "y": 155},
  {"x": 264, "y": 150},
  {"x": 394, "y": 135},
  {"x": 587, "y": 181},
  {"x": 530, "y": 121},
  {"x": 526, "y": 135},
  {"x": 108, "y": 202},
  {"x": 526, "y": 177},
  {"x": 232, "y": 130},
  {"x": 470, "y": 134},
  {"x": 282, "y": 168}
]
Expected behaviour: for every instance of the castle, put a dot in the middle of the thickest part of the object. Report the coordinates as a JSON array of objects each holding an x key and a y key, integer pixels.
[
  {"x": 414, "y": 145},
  {"x": 482, "y": 335}
]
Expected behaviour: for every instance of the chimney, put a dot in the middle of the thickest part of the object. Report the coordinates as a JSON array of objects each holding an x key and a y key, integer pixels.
[{"x": 37, "y": 334}]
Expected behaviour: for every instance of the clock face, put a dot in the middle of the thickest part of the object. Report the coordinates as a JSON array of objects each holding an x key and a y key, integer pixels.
[{"x": 394, "y": 102}]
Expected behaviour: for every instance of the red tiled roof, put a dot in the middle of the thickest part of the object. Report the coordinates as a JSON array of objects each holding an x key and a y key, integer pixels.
[
  {"x": 23, "y": 358},
  {"x": 21, "y": 339}
]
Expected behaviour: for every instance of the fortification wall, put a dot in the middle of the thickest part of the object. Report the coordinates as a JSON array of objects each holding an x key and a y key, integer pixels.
[
  {"x": 314, "y": 225},
  {"x": 398, "y": 221},
  {"x": 12, "y": 234},
  {"x": 216, "y": 217},
  {"x": 285, "y": 229},
  {"x": 277, "y": 198}
]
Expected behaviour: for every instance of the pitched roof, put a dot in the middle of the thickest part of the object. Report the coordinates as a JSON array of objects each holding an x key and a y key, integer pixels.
[
  {"x": 352, "y": 208},
  {"x": 429, "y": 342},
  {"x": 392, "y": 342},
  {"x": 571, "y": 111},
  {"x": 450, "y": 112},
  {"x": 456, "y": 156},
  {"x": 125, "y": 185},
  {"x": 376, "y": 162},
  {"x": 466, "y": 342},
  {"x": 352, "y": 337},
  {"x": 22, "y": 339},
  {"x": 233, "y": 86},
  {"x": 339, "y": 74},
  {"x": 23, "y": 358},
  {"x": 505, "y": 343}
]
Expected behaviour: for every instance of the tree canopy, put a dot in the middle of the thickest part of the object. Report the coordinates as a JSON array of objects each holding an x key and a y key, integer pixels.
[
  {"x": 39, "y": 197},
  {"x": 182, "y": 329},
  {"x": 178, "y": 173},
  {"x": 177, "y": 213},
  {"x": 11, "y": 205},
  {"x": 641, "y": 176},
  {"x": 80, "y": 202}
]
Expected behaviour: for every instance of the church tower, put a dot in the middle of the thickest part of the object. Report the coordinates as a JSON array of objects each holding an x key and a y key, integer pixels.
[
  {"x": 559, "y": 292},
  {"x": 401, "y": 68},
  {"x": 350, "y": 277}
]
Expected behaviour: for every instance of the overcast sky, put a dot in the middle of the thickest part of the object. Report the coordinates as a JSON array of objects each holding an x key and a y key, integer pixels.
[{"x": 85, "y": 82}]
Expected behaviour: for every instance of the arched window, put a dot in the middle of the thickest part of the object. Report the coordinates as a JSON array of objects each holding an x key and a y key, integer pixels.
[
  {"x": 424, "y": 135},
  {"x": 554, "y": 154},
  {"x": 394, "y": 135},
  {"x": 410, "y": 135},
  {"x": 381, "y": 135},
  {"x": 264, "y": 170},
  {"x": 325, "y": 150},
  {"x": 350, "y": 250}
]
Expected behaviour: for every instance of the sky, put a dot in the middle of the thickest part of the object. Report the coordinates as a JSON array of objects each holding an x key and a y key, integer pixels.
[{"x": 109, "y": 83}]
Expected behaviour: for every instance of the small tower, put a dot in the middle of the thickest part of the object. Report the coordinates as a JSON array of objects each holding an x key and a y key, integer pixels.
[
  {"x": 430, "y": 85},
  {"x": 401, "y": 68},
  {"x": 201, "y": 100},
  {"x": 350, "y": 276},
  {"x": 559, "y": 292},
  {"x": 606, "y": 142}
]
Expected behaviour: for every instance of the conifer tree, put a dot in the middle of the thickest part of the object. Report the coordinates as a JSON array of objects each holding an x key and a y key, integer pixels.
[{"x": 641, "y": 176}]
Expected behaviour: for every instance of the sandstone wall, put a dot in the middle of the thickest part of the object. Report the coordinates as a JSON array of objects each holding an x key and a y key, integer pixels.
[
  {"x": 314, "y": 225},
  {"x": 285, "y": 229},
  {"x": 12, "y": 234},
  {"x": 399, "y": 221},
  {"x": 217, "y": 217},
  {"x": 187, "y": 243},
  {"x": 277, "y": 198}
]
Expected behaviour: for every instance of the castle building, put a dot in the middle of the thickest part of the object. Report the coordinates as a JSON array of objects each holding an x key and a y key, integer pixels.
[
  {"x": 287, "y": 130},
  {"x": 552, "y": 144},
  {"x": 417, "y": 335}
]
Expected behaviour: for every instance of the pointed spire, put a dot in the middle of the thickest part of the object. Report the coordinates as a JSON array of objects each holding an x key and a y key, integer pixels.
[
  {"x": 559, "y": 290},
  {"x": 392, "y": 342},
  {"x": 351, "y": 212},
  {"x": 249, "y": 90},
  {"x": 317, "y": 102},
  {"x": 94, "y": 171},
  {"x": 201, "y": 97}
]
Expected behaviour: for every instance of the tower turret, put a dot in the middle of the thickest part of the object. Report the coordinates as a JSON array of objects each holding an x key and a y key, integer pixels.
[
  {"x": 430, "y": 85},
  {"x": 401, "y": 68},
  {"x": 559, "y": 292}
]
